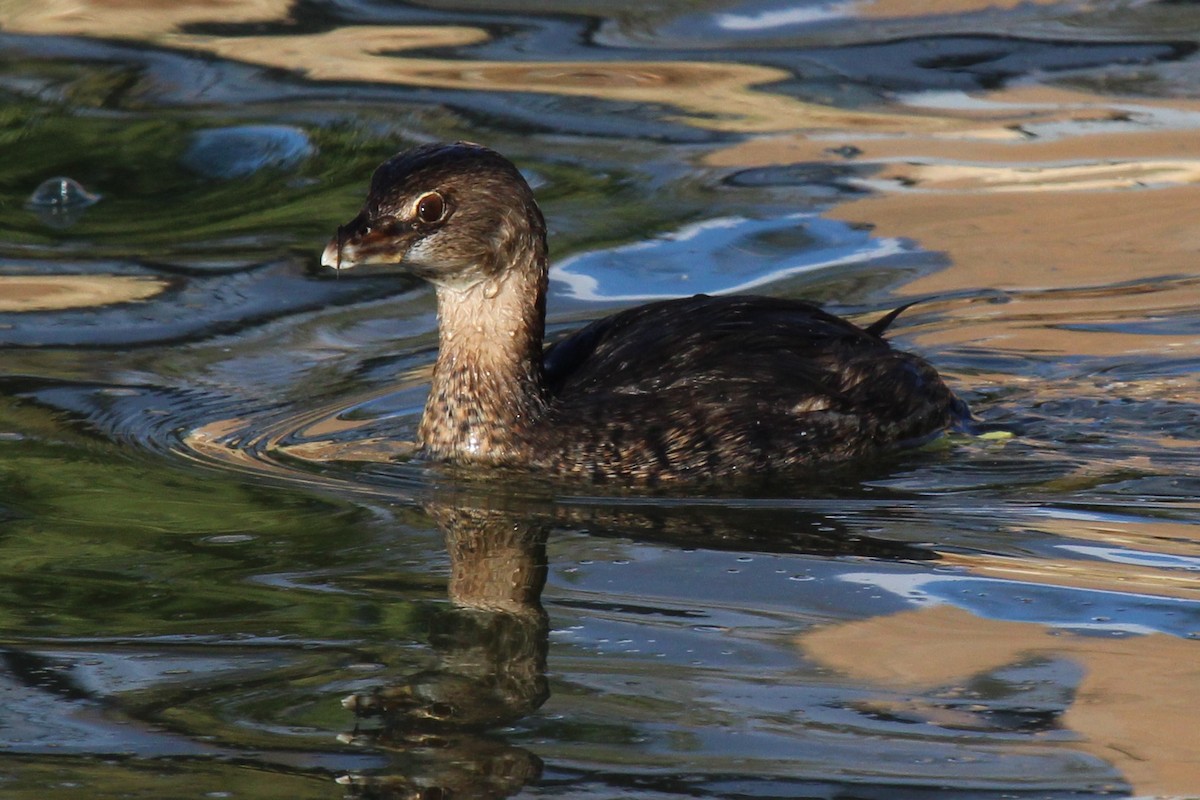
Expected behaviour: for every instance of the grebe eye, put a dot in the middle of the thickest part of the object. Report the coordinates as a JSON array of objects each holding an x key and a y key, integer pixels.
[{"x": 431, "y": 207}]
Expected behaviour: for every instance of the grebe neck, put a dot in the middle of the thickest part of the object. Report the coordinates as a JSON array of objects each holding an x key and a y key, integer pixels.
[{"x": 488, "y": 384}]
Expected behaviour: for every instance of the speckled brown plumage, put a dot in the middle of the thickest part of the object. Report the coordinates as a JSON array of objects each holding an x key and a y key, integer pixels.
[{"x": 700, "y": 388}]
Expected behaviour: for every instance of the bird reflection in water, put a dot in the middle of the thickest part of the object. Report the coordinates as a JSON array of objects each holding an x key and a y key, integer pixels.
[
  {"x": 491, "y": 643},
  {"x": 490, "y": 647}
]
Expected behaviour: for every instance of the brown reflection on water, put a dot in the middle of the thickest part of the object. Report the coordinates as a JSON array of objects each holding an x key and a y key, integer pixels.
[
  {"x": 715, "y": 95},
  {"x": 61, "y": 292},
  {"x": 889, "y": 9},
  {"x": 1024, "y": 323},
  {"x": 712, "y": 95},
  {"x": 1155, "y": 536},
  {"x": 1080, "y": 207},
  {"x": 1086, "y": 206},
  {"x": 1137, "y": 537},
  {"x": 1098, "y": 575},
  {"x": 1132, "y": 708},
  {"x": 1040, "y": 240},
  {"x": 125, "y": 19}
]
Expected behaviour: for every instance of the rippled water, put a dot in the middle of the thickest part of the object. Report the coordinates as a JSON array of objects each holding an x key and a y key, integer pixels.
[{"x": 217, "y": 584}]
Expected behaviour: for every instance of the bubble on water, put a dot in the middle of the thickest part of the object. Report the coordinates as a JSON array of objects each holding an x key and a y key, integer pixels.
[
  {"x": 59, "y": 202},
  {"x": 62, "y": 192},
  {"x": 230, "y": 538},
  {"x": 243, "y": 150}
]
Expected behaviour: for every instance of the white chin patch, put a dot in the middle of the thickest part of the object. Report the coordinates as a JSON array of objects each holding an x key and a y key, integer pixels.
[
  {"x": 331, "y": 258},
  {"x": 419, "y": 254}
]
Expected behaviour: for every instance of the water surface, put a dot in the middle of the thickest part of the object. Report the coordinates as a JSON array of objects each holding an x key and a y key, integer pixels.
[{"x": 213, "y": 587}]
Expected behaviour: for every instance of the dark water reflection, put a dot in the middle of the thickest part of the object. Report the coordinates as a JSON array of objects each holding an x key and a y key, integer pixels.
[
  {"x": 490, "y": 648},
  {"x": 210, "y": 537}
]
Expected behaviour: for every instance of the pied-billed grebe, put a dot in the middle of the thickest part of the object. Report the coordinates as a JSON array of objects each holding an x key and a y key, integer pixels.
[{"x": 701, "y": 388}]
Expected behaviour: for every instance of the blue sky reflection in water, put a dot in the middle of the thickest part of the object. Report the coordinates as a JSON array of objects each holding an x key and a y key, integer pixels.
[
  {"x": 719, "y": 256},
  {"x": 204, "y": 555}
]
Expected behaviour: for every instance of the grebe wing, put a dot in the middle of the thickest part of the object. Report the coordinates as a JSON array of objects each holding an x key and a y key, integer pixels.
[{"x": 735, "y": 339}]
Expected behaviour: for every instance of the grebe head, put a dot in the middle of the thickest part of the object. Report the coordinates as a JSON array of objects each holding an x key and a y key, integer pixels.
[{"x": 454, "y": 214}]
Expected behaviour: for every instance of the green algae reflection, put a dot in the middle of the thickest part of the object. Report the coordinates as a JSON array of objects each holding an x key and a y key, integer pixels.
[{"x": 95, "y": 541}]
